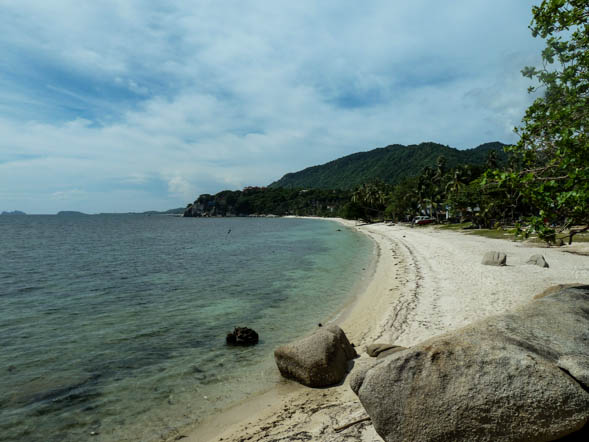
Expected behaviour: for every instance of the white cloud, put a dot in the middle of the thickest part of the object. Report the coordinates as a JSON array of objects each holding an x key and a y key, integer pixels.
[
  {"x": 182, "y": 186},
  {"x": 156, "y": 103},
  {"x": 71, "y": 194}
]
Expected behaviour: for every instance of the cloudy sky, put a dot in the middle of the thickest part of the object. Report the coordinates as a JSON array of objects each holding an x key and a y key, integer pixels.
[{"x": 111, "y": 105}]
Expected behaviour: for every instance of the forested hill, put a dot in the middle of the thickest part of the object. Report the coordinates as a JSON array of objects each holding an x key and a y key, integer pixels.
[{"x": 390, "y": 164}]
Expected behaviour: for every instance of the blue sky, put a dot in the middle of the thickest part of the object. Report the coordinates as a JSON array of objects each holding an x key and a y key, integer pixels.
[{"x": 134, "y": 105}]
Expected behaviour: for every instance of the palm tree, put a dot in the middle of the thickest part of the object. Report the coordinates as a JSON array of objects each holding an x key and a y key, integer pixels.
[
  {"x": 457, "y": 181},
  {"x": 371, "y": 197},
  {"x": 424, "y": 186},
  {"x": 440, "y": 168},
  {"x": 456, "y": 185}
]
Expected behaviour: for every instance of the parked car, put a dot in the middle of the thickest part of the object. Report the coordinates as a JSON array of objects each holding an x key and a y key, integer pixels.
[{"x": 421, "y": 220}]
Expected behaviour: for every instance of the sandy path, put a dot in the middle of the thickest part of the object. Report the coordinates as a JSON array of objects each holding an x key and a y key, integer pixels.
[
  {"x": 453, "y": 289},
  {"x": 426, "y": 282}
]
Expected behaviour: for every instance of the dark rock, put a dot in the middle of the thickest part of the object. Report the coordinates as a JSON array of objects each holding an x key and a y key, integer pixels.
[
  {"x": 242, "y": 336},
  {"x": 537, "y": 260},
  {"x": 521, "y": 376},
  {"x": 318, "y": 360},
  {"x": 494, "y": 259}
]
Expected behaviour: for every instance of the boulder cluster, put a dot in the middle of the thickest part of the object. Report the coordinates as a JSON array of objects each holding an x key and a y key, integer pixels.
[
  {"x": 520, "y": 376},
  {"x": 500, "y": 259}
]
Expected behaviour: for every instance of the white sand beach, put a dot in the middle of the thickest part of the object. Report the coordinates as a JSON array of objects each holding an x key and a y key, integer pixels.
[{"x": 426, "y": 281}]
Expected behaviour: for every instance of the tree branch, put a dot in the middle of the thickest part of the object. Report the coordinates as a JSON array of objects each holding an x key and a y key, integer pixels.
[{"x": 343, "y": 427}]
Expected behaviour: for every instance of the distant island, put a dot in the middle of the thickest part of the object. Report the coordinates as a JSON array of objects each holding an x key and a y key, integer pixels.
[
  {"x": 177, "y": 211},
  {"x": 14, "y": 212},
  {"x": 70, "y": 213}
]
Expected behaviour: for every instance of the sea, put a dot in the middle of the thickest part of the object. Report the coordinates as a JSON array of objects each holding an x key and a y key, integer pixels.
[{"x": 112, "y": 327}]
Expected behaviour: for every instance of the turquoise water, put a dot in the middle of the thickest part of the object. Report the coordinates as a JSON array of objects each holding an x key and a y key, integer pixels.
[{"x": 115, "y": 325}]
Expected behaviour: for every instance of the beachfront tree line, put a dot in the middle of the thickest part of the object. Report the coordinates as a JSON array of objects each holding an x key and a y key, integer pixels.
[{"x": 455, "y": 195}]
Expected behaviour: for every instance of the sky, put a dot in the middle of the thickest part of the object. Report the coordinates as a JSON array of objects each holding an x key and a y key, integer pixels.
[{"x": 117, "y": 106}]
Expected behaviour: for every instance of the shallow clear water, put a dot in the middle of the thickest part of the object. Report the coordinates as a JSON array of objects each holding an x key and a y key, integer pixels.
[{"x": 116, "y": 324}]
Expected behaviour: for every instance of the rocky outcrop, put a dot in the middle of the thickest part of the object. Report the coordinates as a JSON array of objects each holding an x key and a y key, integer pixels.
[
  {"x": 521, "y": 376},
  {"x": 318, "y": 360},
  {"x": 194, "y": 210},
  {"x": 494, "y": 259},
  {"x": 242, "y": 336},
  {"x": 537, "y": 260}
]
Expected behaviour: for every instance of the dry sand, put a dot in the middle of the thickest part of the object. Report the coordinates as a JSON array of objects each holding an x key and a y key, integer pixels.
[{"x": 426, "y": 281}]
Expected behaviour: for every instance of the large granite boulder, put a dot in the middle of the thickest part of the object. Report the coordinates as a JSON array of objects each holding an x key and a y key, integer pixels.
[
  {"x": 521, "y": 376},
  {"x": 494, "y": 259},
  {"x": 318, "y": 360},
  {"x": 537, "y": 260}
]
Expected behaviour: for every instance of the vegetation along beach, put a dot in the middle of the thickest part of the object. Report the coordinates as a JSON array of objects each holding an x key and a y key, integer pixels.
[{"x": 201, "y": 241}]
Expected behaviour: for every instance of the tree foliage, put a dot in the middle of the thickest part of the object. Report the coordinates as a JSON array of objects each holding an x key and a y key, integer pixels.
[
  {"x": 553, "y": 150},
  {"x": 391, "y": 164},
  {"x": 265, "y": 201}
]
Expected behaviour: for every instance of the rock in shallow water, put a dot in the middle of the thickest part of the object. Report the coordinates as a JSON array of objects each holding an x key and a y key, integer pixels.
[
  {"x": 242, "y": 336},
  {"x": 520, "y": 376},
  {"x": 318, "y": 360}
]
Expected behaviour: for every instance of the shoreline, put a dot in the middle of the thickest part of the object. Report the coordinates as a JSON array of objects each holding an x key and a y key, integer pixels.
[
  {"x": 237, "y": 413},
  {"x": 425, "y": 282},
  {"x": 366, "y": 304}
]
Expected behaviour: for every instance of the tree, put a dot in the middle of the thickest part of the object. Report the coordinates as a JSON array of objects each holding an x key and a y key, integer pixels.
[
  {"x": 492, "y": 160},
  {"x": 371, "y": 198},
  {"x": 553, "y": 149},
  {"x": 403, "y": 200},
  {"x": 440, "y": 168},
  {"x": 454, "y": 189}
]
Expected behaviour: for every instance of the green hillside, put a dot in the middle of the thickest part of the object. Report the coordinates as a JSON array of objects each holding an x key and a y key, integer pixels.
[{"x": 390, "y": 164}]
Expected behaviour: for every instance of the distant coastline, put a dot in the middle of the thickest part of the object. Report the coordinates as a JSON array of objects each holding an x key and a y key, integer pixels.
[{"x": 174, "y": 212}]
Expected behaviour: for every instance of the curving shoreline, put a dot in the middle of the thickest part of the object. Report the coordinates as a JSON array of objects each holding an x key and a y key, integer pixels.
[{"x": 425, "y": 282}]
